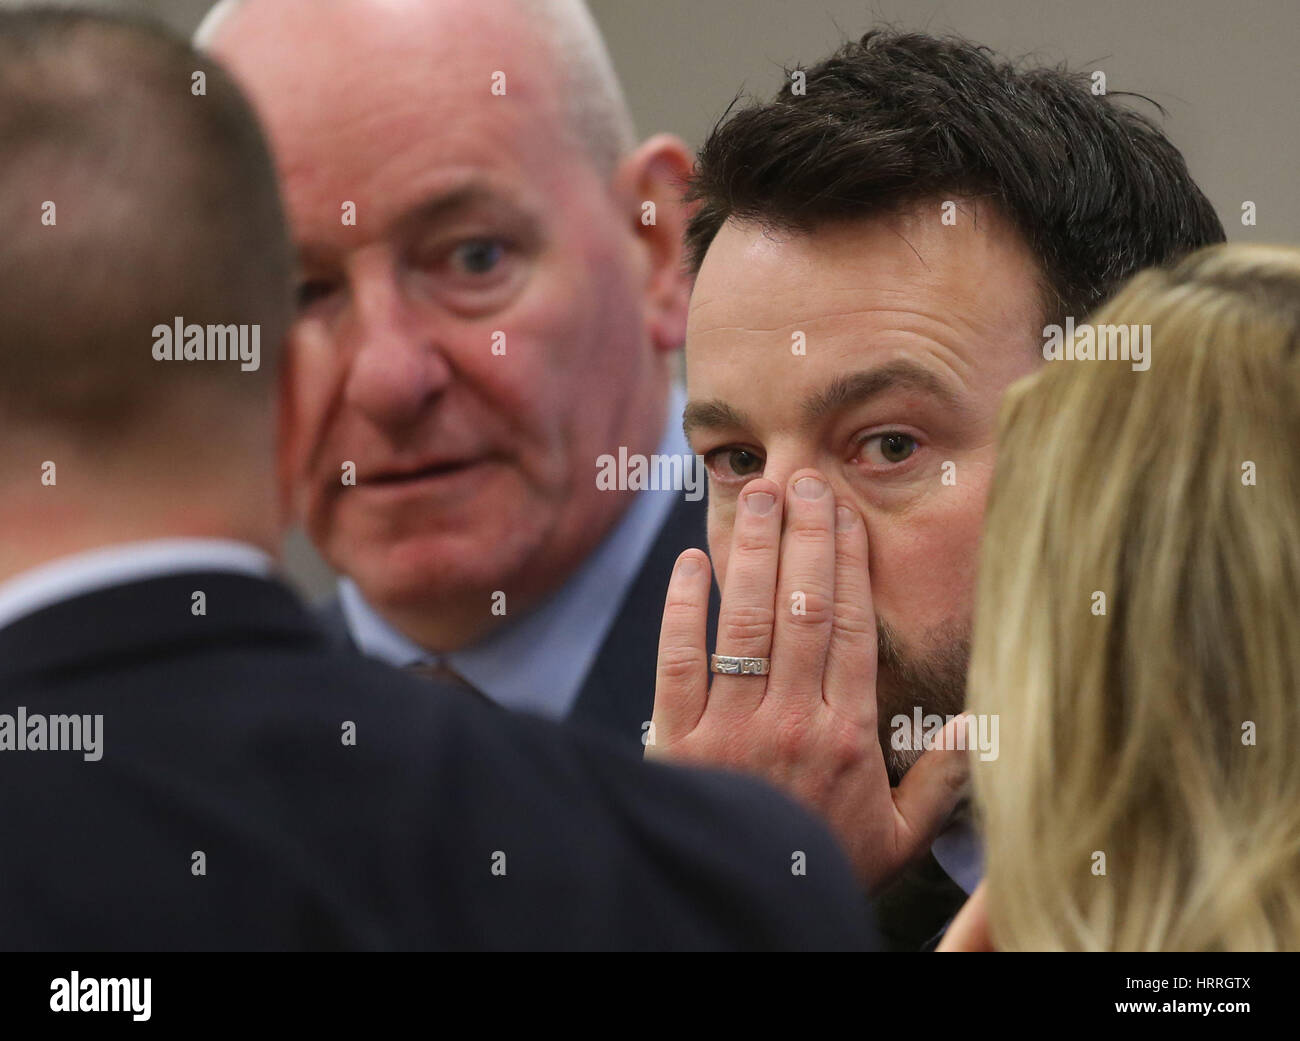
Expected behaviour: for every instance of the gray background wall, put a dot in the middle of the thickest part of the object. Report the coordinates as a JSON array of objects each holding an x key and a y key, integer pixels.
[{"x": 1226, "y": 73}]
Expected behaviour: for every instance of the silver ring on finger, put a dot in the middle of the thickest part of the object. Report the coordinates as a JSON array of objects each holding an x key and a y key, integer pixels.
[{"x": 730, "y": 665}]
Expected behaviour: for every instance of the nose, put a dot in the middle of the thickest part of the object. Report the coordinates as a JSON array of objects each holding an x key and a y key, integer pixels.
[
  {"x": 397, "y": 370},
  {"x": 783, "y": 462}
]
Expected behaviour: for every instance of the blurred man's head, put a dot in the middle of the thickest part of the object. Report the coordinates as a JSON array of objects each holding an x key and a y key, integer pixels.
[
  {"x": 499, "y": 314},
  {"x": 136, "y": 190},
  {"x": 879, "y": 249}
]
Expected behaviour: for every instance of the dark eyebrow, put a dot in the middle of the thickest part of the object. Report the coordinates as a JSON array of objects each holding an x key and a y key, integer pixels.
[
  {"x": 711, "y": 415},
  {"x": 842, "y": 391},
  {"x": 860, "y": 387}
]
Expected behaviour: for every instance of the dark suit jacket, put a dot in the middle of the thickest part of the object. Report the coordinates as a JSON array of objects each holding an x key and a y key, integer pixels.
[
  {"x": 223, "y": 735},
  {"x": 916, "y": 908},
  {"x": 618, "y": 693}
]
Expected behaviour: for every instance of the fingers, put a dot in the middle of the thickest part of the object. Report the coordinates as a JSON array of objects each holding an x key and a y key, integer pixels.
[
  {"x": 806, "y": 589},
  {"x": 931, "y": 789},
  {"x": 745, "y": 620},
  {"x": 682, "y": 675},
  {"x": 849, "y": 686}
]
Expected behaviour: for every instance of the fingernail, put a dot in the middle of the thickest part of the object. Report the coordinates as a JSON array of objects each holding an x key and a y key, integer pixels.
[
  {"x": 688, "y": 566},
  {"x": 809, "y": 488},
  {"x": 843, "y": 518},
  {"x": 760, "y": 503}
]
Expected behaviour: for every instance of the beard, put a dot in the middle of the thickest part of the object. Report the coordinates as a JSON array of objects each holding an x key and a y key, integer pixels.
[{"x": 934, "y": 681}]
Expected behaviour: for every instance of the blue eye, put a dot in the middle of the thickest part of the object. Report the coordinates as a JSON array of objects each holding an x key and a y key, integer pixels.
[{"x": 478, "y": 256}]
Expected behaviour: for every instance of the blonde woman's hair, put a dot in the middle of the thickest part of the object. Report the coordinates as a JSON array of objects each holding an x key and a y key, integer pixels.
[{"x": 1162, "y": 735}]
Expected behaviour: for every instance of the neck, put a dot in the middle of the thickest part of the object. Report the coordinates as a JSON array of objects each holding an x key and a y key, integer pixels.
[
  {"x": 36, "y": 529},
  {"x": 450, "y": 624}
]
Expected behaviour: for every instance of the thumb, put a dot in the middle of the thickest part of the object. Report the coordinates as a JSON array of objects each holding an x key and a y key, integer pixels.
[{"x": 933, "y": 788}]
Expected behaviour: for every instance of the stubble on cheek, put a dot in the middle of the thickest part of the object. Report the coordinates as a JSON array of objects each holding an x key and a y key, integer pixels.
[{"x": 933, "y": 681}]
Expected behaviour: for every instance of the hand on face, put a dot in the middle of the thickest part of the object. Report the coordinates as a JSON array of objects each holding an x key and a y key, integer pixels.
[{"x": 798, "y": 591}]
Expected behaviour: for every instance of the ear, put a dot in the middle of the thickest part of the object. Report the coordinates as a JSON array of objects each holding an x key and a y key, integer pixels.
[
  {"x": 651, "y": 182},
  {"x": 970, "y": 929}
]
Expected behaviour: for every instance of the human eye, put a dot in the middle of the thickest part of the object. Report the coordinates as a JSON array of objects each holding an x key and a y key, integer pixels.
[
  {"x": 310, "y": 291},
  {"x": 477, "y": 257},
  {"x": 733, "y": 464},
  {"x": 888, "y": 448}
]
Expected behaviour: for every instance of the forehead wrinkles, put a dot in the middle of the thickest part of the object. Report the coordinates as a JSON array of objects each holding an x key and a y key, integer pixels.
[
  {"x": 852, "y": 338},
  {"x": 780, "y": 291},
  {"x": 389, "y": 171},
  {"x": 897, "y": 311},
  {"x": 389, "y": 164},
  {"x": 974, "y": 272},
  {"x": 755, "y": 370}
]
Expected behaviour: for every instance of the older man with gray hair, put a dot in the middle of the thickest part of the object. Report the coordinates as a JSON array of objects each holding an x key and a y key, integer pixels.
[{"x": 491, "y": 293}]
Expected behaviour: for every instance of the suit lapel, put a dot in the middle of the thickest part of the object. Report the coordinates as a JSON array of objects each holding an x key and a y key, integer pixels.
[
  {"x": 617, "y": 696},
  {"x": 335, "y": 623},
  {"x": 915, "y": 908}
]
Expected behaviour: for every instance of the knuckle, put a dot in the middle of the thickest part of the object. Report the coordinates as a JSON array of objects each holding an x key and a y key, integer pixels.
[
  {"x": 849, "y": 553},
  {"x": 845, "y": 746},
  {"x": 679, "y": 602},
  {"x": 747, "y": 623},
  {"x": 680, "y": 663},
  {"x": 812, "y": 531},
  {"x": 814, "y": 607},
  {"x": 749, "y": 542},
  {"x": 791, "y": 740},
  {"x": 851, "y": 620}
]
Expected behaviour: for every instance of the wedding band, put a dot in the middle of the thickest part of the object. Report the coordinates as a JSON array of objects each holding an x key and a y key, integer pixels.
[{"x": 727, "y": 665}]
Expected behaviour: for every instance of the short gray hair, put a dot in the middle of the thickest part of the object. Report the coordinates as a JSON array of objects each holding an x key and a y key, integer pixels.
[{"x": 597, "y": 109}]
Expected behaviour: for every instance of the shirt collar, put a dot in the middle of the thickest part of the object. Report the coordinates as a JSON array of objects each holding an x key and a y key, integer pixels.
[
  {"x": 957, "y": 849},
  {"x": 538, "y": 662},
  {"x": 81, "y": 573}
]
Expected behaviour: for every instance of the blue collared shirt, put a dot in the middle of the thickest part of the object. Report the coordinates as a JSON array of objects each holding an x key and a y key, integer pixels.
[
  {"x": 537, "y": 663},
  {"x": 957, "y": 849},
  {"x": 961, "y": 855}
]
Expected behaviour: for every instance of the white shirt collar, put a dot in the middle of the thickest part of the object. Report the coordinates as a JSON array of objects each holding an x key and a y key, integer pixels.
[{"x": 72, "y": 576}]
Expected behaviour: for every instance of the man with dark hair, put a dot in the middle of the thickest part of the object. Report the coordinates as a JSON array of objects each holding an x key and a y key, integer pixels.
[
  {"x": 186, "y": 760},
  {"x": 1096, "y": 190},
  {"x": 880, "y": 251}
]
